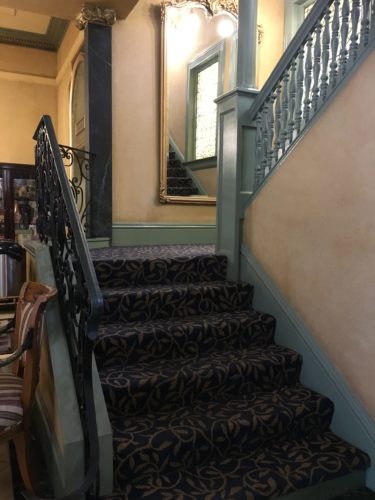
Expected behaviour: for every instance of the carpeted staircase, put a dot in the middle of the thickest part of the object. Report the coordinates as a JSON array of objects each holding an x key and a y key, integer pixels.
[
  {"x": 203, "y": 403},
  {"x": 178, "y": 181}
]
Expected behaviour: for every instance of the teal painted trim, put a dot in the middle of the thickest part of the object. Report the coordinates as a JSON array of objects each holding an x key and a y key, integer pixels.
[
  {"x": 215, "y": 53},
  {"x": 98, "y": 242},
  {"x": 50, "y": 41},
  {"x": 176, "y": 149},
  {"x": 351, "y": 421},
  {"x": 202, "y": 164},
  {"x": 66, "y": 457},
  {"x": 162, "y": 234}
]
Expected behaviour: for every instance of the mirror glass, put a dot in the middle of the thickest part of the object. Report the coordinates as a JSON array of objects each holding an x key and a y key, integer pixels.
[{"x": 199, "y": 46}]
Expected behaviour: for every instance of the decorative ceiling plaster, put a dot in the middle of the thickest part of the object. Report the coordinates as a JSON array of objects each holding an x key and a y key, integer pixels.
[{"x": 50, "y": 40}]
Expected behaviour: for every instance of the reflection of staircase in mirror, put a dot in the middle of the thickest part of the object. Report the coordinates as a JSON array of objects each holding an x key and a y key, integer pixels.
[{"x": 179, "y": 183}]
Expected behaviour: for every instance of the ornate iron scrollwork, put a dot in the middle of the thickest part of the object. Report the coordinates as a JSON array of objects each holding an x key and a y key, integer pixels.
[
  {"x": 80, "y": 164},
  {"x": 58, "y": 225}
]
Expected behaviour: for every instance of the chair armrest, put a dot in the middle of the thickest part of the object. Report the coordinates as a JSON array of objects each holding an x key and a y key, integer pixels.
[
  {"x": 11, "y": 358},
  {"x": 11, "y": 324}
]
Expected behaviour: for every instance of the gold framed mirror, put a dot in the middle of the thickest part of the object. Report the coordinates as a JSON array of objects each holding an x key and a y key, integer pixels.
[{"x": 198, "y": 64}]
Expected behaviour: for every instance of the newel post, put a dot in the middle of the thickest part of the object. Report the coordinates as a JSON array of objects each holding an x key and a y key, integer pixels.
[{"x": 235, "y": 136}]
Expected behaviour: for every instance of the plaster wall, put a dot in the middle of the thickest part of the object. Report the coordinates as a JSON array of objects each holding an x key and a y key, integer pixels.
[
  {"x": 27, "y": 61},
  {"x": 70, "y": 47},
  {"x": 271, "y": 21},
  {"x": 22, "y": 104},
  {"x": 312, "y": 228},
  {"x": 135, "y": 94}
]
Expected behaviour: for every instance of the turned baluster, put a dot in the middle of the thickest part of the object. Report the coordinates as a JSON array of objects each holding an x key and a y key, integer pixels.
[
  {"x": 344, "y": 36},
  {"x": 308, "y": 79},
  {"x": 277, "y": 121},
  {"x": 372, "y": 23},
  {"x": 285, "y": 112},
  {"x": 258, "y": 150},
  {"x": 316, "y": 66},
  {"x": 265, "y": 137},
  {"x": 334, "y": 44},
  {"x": 365, "y": 23},
  {"x": 353, "y": 49},
  {"x": 299, "y": 92},
  {"x": 292, "y": 100},
  {"x": 271, "y": 131},
  {"x": 325, "y": 54}
]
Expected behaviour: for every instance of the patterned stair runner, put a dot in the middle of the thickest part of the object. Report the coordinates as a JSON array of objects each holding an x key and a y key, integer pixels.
[
  {"x": 178, "y": 181},
  {"x": 203, "y": 404}
]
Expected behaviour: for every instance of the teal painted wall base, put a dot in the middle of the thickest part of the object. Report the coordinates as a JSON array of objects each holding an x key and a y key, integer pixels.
[
  {"x": 351, "y": 421},
  {"x": 59, "y": 428},
  {"x": 98, "y": 242},
  {"x": 162, "y": 234}
]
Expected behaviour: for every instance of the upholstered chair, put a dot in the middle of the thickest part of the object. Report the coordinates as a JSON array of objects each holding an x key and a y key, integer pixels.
[{"x": 20, "y": 372}]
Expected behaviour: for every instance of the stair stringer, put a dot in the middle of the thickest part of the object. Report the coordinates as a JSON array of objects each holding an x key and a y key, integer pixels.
[
  {"x": 351, "y": 420},
  {"x": 57, "y": 417}
]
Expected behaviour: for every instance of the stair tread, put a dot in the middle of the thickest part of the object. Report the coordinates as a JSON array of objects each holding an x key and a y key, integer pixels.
[
  {"x": 123, "y": 267},
  {"x": 176, "y": 337},
  {"x": 167, "y": 384},
  {"x": 113, "y": 292},
  {"x": 226, "y": 428},
  {"x": 255, "y": 354},
  {"x": 278, "y": 469},
  {"x": 152, "y": 302},
  {"x": 180, "y": 252}
]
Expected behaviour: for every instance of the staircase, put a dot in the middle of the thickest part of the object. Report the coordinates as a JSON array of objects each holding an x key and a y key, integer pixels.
[
  {"x": 203, "y": 403},
  {"x": 178, "y": 181}
]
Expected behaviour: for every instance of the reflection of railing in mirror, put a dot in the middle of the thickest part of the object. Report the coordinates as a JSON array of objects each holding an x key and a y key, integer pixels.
[
  {"x": 198, "y": 65},
  {"x": 81, "y": 163}
]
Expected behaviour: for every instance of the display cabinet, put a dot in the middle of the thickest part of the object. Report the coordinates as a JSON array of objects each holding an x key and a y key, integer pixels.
[{"x": 17, "y": 199}]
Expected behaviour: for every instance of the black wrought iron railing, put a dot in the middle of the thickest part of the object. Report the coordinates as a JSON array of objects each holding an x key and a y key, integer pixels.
[
  {"x": 80, "y": 164},
  {"x": 59, "y": 226}
]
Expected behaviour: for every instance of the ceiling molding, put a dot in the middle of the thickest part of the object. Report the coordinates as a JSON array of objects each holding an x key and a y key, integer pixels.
[{"x": 50, "y": 41}]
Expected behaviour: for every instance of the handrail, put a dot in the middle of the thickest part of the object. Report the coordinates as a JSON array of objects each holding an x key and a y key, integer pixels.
[
  {"x": 329, "y": 44},
  {"x": 58, "y": 225}
]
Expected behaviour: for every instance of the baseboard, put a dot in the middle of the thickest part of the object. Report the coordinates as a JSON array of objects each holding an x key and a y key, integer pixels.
[
  {"x": 98, "y": 242},
  {"x": 159, "y": 234},
  {"x": 351, "y": 421}
]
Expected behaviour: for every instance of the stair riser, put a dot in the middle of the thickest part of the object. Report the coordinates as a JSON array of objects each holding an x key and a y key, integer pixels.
[
  {"x": 120, "y": 273},
  {"x": 131, "y": 392},
  {"x": 153, "y": 304},
  {"x": 179, "y": 182},
  {"x": 201, "y": 440},
  {"x": 189, "y": 338}
]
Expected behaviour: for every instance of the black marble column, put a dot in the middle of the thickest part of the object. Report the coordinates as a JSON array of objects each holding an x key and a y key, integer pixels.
[{"x": 98, "y": 50}]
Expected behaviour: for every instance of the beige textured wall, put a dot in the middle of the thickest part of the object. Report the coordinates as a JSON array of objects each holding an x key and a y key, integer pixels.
[
  {"x": 68, "y": 51},
  {"x": 27, "y": 90},
  {"x": 271, "y": 19},
  {"x": 135, "y": 87},
  {"x": 312, "y": 228}
]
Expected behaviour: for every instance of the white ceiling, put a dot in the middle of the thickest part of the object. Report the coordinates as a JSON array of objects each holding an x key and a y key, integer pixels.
[{"x": 67, "y": 9}]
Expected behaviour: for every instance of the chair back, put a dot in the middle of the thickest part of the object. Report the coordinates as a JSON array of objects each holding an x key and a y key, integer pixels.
[{"x": 31, "y": 304}]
